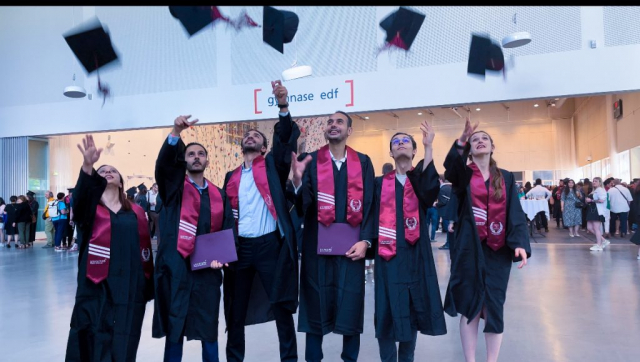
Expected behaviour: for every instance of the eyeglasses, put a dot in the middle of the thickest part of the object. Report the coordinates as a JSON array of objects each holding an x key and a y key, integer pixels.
[{"x": 396, "y": 141}]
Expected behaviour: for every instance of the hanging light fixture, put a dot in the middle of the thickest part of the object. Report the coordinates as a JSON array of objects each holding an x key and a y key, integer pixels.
[
  {"x": 516, "y": 39},
  {"x": 74, "y": 91}
]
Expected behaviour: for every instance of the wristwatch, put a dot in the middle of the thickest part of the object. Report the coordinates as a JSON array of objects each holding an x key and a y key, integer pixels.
[
  {"x": 368, "y": 244},
  {"x": 283, "y": 105}
]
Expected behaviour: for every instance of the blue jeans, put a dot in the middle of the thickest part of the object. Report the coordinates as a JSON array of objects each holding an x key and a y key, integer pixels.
[
  {"x": 59, "y": 226},
  {"x": 433, "y": 217},
  {"x": 173, "y": 351}
]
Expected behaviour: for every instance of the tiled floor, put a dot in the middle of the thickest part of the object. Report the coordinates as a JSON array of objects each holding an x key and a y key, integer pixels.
[{"x": 568, "y": 304}]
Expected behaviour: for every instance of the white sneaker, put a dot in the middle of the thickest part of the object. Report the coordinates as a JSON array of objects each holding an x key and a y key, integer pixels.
[
  {"x": 638, "y": 257},
  {"x": 596, "y": 248},
  {"x": 605, "y": 243}
]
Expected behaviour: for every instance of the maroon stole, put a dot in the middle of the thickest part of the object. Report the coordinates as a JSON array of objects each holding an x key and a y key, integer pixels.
[
  {"x": 189, "y": 212},
  {"x": 410, "y": 212},
  {"x": 490, "y": 215},
  {"x": 326, "y": 192},
  {"x": 100, "y": 244},
  {"x": 259, "y": 171}
]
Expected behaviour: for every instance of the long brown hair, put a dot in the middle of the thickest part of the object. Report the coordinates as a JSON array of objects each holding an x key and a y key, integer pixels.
[
  {"x": 494, "y": 171},
  {"x": 126, "y": 204}
]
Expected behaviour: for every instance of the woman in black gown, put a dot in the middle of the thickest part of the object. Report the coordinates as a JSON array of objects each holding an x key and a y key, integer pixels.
[
  {"x": 490, "y": 234},
  {"x": 115, "y": 266}
]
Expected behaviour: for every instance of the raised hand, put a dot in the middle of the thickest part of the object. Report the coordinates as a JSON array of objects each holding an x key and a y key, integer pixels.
[
  {"x": 280, "y": 92},
  {"x": 90, "y": 153},
  {"x": 298, "y": 168},
  {"x": 468, "y": 130},
  {"x": 181, "y": 123},
  {"x": 428, "y": 134}
]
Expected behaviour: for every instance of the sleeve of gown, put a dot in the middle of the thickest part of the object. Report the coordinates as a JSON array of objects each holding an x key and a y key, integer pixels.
[
  {"x": 228, "y": 221},
  {"x": 451, "y": 209},
  {"x": 518, "y": 235},
  {"x": 86, "y": 195},
  {"x": 305, "y": 196},
  {"x": 170, "y": 171},
  {"x": 456, "y": 168},
  {"x": 285, "y": 141},
  {"x": 376, "y": 218},
  {"x": 426, "y": 183},
  {"x": 367, "y": 228}
]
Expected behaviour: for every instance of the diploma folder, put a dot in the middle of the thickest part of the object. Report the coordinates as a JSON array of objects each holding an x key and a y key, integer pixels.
[
  {"x": 220, "y": 246},
  {"x": 337, "y": 238}
]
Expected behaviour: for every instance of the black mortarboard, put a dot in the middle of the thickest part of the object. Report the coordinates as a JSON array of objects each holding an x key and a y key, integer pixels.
[
  {"x": 195, "y": 18},
  {"x": 484, "y": 55},
  {"x": 131, "y": 191},
  {"x": 142, "y": 186},
  {"x": 278, "y": 27},
  {"x": 403, "y": 23},
  {"x": 30, "y": 193},
  {"x": 70, "y": 189},
  {"x": 91, "y": 44}
]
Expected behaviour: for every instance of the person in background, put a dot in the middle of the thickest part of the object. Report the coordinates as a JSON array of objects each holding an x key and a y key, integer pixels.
[
  {"x": 72, "y": 229},
  {"x": 34, "y": 206},
  {"x": 59, "y": 219},
  {"x": 2, "y": 218},
  {"x": 537, "y": 193},
  {"x": 596, "y": 204},
  {"x": 521, "y": 193},
  {"x": 444, "y": 195},
  {"x": 557, "y": 204},
  {"x": 141, "y": 197},
  {"x": 67, "y": 237},
  {"x": 48, "y": 224},
  {"x": 571, "y": 215},
  {"x": 620, "y": 198},
  {"x": 10, "y": 223},
  {"x": 607, "y": 216},
  {"x": 23, "y": 220},
  {"x": 152, "y": 195},
  {"x": 586, "y": 190},
  {"x": 527, "y": 187},
  {"x": 633, "y": 221}
]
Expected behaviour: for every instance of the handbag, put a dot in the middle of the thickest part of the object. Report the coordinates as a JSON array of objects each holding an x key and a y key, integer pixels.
[{"x": 579, "y": 205}]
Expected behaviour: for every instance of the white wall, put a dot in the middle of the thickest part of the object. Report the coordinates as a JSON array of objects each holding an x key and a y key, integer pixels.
[{"x": 164, "y": 74}]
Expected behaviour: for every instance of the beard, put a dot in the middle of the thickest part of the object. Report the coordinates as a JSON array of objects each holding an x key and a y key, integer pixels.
[
  {"x": 256, "y": 147},
  {"x": 193, "y": 170}
]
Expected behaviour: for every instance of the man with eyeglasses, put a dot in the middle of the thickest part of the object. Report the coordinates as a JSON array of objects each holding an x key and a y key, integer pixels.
[
  {"x": 407, "y": 295},
  {"x": 333, "y": 185}
]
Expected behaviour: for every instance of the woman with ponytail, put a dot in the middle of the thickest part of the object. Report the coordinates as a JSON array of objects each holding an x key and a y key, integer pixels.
[
  {"x": 115, "y": 265},
  {"x": 490, "y": 234}
]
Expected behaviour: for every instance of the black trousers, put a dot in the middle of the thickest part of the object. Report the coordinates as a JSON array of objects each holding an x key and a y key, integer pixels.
[
  {"x": 541, "y": 218},
  {"x": 258, "y": 255},
  {"x": 350, "y": 348}
]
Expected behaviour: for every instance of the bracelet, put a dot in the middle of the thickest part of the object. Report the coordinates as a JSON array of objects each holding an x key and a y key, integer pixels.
[{"x": 283, "y": 105}]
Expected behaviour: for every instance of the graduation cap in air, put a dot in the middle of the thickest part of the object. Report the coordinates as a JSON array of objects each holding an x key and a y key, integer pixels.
[
  {"x": 278, "y": 27},
  {"x": 142, "y": 187},
  {"x": 91, "y": 44},
  {"x": 131, "y": 192},
  {"x": 402, "y": 27},
  {"x": 196, "y": 18},
  {"x": 30, "y": 193},
  {"x": 484, "y": 55}
]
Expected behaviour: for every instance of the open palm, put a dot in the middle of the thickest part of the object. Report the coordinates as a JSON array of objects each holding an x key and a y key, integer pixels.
[{"x": 90, "y": 153}]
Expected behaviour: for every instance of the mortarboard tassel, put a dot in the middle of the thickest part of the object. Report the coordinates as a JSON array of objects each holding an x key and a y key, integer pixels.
[
  {"x": 103, "y": 88},
  {"x": 244, "y": 20},
  {"x": 395, "y": 42}
]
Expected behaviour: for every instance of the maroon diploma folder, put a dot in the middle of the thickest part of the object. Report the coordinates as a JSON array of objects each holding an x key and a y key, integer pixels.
[
  {"x": 218, "y": 246},
  {"x": 337, "y": 238}
]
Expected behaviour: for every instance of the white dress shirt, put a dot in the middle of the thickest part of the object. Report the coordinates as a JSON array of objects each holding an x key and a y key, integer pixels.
[
  {"x": 254, "y": 217},
  {"x": 539, "y": 192},
  {"x": 617, "y": 200}
]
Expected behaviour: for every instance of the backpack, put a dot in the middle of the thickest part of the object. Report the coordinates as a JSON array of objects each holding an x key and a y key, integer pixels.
[{"x": 53, "y": 209}]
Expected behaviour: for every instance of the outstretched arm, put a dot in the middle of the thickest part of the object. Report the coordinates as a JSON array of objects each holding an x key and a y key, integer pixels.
[{"x": 285, "y": 135}]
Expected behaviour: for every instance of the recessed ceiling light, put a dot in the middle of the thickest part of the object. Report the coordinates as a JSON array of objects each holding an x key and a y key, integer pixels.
[
  {"x": 477, "y": 109},
  {"x": 557, "y": 99},
  {"x": 419, "y": 113},
  {"x": 366, "y": 117},
  {"x": 535, "y": 105},
  {"x": 553, "y": 104}
]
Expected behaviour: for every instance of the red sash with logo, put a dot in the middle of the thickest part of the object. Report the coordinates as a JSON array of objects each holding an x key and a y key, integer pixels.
[
  {"x": 410, "y": 216},
  {"x": 326, "y": 192},
  {"x": 490, "y": 215},
  {"x": 100, "y": 244},
  {"x": 259, "y": 171},
  {"x": 189, "y": 212}
]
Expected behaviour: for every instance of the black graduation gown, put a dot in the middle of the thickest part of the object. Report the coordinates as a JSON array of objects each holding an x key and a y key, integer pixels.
[
  {"x": 107, "y": 317},
  {"x": 332, "y": 287},
  {"x": 479, "y": 275},
  {"x": 187, "y": 303},
  {"x": 407, "y": 292},
  {"x": 285, "y": 286}
]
